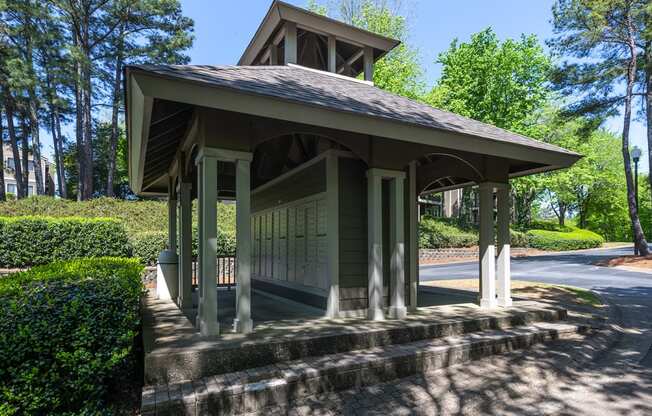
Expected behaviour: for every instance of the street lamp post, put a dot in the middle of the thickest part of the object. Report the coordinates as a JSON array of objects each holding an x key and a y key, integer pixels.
[{"x": 636, "y": 156}]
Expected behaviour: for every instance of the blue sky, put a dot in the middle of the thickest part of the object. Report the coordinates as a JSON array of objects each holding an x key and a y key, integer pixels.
[{"x": 223, "y": 29}]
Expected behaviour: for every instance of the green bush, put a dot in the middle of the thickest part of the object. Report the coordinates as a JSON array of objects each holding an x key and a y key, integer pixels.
[
  {"x": 28, "y": 241},
  {"x": 145, "y": 222},
  {"x": 436, "y": 234},
  {"x": 147, "y": 245},
  {"x": 575, "y": 239},
  {"x": 518, "y": 239},
  {"x": 67, "y": 330}
]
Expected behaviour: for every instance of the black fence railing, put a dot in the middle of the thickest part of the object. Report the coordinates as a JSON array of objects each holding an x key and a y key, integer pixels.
[{"x": 225, "y": 271}]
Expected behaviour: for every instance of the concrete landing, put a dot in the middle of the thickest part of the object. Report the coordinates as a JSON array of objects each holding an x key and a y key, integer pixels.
[
  {"x": 275, "y": 386},
  {"x": 174, "y": 350}
]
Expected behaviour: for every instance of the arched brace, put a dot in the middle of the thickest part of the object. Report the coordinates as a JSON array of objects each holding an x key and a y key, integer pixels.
[{"x": 447, "y": 166}]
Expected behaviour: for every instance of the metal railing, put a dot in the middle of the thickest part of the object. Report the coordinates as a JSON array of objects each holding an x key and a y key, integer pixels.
[{"x": 225, "y": 271}]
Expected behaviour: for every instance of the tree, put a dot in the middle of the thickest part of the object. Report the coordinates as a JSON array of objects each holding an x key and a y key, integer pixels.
[
  {"x": 603, "y": 36},
  {"x": 501, "y": 83},
  {"x": 154, "y": 31}
]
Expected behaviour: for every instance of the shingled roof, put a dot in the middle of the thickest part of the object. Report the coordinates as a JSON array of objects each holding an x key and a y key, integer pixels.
[{"x": 321, "y": 89}]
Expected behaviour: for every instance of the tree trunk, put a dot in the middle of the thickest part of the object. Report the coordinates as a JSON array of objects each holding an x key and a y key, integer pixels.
[
  {"x": 25, "y": 152},
  {"x": 32, "y": 110},
  {"x": 117, "y": 88},
  {"x": 648, "y": 98},
  {"x": 87, "y": 133},
  {"x": 63, "y": 187},
  {"x": 3, "y": 195},
  {"x": 639, "y": 235},
  {"x": 36, "y": 145},
  {"x": 18, "y": 171}
]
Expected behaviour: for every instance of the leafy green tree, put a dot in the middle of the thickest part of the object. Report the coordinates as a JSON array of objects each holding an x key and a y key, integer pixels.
[
  {"x": 603, "y": 38},
  {"x": 501, "y": 83},
  {"x": 153, "y": 31}
]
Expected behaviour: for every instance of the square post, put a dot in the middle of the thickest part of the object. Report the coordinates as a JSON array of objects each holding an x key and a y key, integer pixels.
[
  {"x": 397, "y": 308},
  {"x": 243, "y": 322},
  {"x": 185, "y": 246},
  {"x": 503, "y": 272},
  {"x": 207, "y": 315},
  {"x": 332, "y": 54},
  {"x": 413, "y": 236},
  {"x": 487, "y": 247},
  {"x": 368, "y": 63},
  {"x": 290, "y": 45},
  {"x": 333, "y": 234},
  {"x": 167, "y": 267},
  {"x": 375, "y": 245}
]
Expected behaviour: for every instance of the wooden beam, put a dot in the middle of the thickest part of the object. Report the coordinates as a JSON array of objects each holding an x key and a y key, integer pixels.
[
  {"x": 368, "y": 63},
  {"x": 332, "y": 54},
  {"x": 290, "y": 43},
  {"x": 351, "y": 60}
]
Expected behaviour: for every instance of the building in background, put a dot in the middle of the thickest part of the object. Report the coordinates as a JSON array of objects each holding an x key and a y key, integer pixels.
[
  {"x": 448, "y": 204},
  {"x": 11, "y": 186}
]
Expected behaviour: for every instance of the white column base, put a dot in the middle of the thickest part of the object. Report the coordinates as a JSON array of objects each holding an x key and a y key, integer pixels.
[
  {"x": 375, "y": 314},
  {"x": 167, "y": 275},
  {"x": 209, "y": 327},
  {"x": 488, "y": 303},
  {"x": 397, "y": 312},
  {"x": 243, "y": 326},
  {"x": 505, "y": 303}
]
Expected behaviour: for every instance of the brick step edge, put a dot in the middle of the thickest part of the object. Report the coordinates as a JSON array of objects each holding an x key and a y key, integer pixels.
[
  {"x": 170, "y": 367},
  {"x": 253, "y": 390}
]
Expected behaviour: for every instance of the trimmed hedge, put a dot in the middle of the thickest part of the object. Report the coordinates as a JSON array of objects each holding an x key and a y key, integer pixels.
[
  {"x": 68, "y": 329},
  {"x": 436, "y": 234},
  {"x": 147, "y": 246},
  {"x": 28, "y": 241},
  {"x": 145, "y": 221},
  {"x": 575, "y": 239}
]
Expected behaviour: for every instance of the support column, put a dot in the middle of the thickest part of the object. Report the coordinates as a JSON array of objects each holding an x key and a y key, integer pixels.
[
  {"x": 332, "y": 54},
  {"x": 207, "y": 318},
  {"x": 397, "y": 308},
  {"x": 167, "y": 270},
  {"x": 290, "y": 45},
  {"x": 243, "y": 322},
  {"x": 487, "y": 247},
  {"x": 185, "y": 246},
  {"x": 368, "y": 63},
  {"x": 333, "y": 234},
  {"x": 375, "y": 244},
  {"x": 413, "y": 236},
  {"x": 503, "y": 271}
]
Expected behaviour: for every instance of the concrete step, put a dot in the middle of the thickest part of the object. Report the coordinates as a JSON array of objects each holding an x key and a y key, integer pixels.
[
  {"x": 255, "y": 389},
  {"x": 177, "y": 353}
]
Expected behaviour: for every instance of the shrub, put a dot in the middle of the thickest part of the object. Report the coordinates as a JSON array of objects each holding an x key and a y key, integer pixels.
[
  {"x": 67, "y": 330},
  {"x": 518, "y": 238},
  {"x": 576, "y": 239},
  {"x": 28, "y": 241},
  {"x": 145, "y": 222},
  {"x": 147, "y": 245},
  {"x": 436, "y": 234}
]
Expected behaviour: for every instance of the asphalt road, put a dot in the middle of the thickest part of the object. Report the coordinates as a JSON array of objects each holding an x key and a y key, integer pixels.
[{"x": 630, "y": 292}]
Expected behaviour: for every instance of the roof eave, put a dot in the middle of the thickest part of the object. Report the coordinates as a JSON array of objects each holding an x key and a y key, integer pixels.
[{"x": 156, "y": 85}]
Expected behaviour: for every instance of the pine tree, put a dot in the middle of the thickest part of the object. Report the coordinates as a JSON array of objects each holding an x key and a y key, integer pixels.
[{"x": 608, "y": 33}]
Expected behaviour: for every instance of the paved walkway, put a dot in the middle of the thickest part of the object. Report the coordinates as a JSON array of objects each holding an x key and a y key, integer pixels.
[{"x": 546, "y": 380}]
